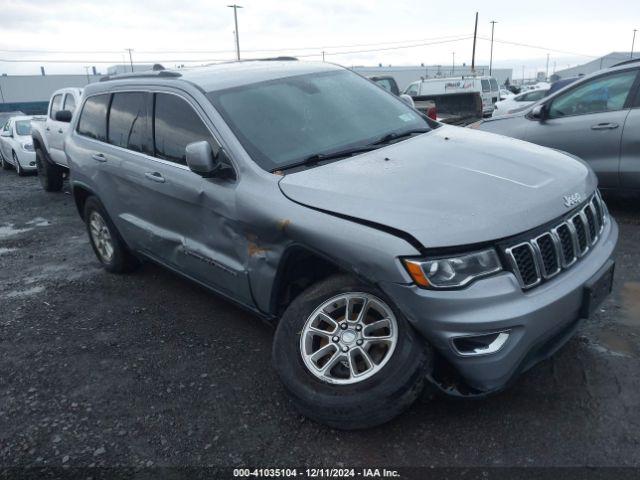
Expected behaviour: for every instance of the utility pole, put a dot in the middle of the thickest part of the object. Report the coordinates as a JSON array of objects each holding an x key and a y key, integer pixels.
[
  {"x": 130, "y": 57},
  {"x": 522, "y": 74},
  {"x": 86, "y": 69},
  {"x": 493, "y": 24},
  {"x": 547, "y": 69},
  {"x": 473, "y": 55},
  {"x": 633, "y": 41},
  {"x": 235, "y": 19},
  {"x": 453, "y": 63},
  {"x": 323, "y": 55}
]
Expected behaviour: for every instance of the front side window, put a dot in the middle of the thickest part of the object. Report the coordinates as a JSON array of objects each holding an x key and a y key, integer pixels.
[
  {"x": 23, "y": 127},
  {"x": 69, "y": 103},
  {"x": 284, "y": 121},
  {"x": 93, "y": 119},
  {"x": 486, "y": 87},
  {"x": 412, "y": 90},
  {"x": 604, "y": 94},
  {"x": 128, "y": 120},
  {"x": 176, "y": 125},
  {"x": 56, "y": 106},
  {"x": 384, "y": 83}
]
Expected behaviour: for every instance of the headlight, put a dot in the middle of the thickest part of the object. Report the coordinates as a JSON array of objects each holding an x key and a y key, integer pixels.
[
  {"x": 27, "y": 147},
  {"x": 455, "y": 271}
]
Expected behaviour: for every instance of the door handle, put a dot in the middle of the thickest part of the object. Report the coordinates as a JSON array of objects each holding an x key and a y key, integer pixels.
[
  {"x": 48, "y": 129},
  {"x": 154, "y": 176},
  {"x": 60, "y": 131},
  {"x": 99, "y": 157},
  {"x": 604, "y": 126}
]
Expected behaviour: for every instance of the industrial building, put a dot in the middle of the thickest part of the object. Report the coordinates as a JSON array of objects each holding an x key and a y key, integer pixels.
[
  {"x": 593, "y": 66},
  {"x": 30, "y": 93}
]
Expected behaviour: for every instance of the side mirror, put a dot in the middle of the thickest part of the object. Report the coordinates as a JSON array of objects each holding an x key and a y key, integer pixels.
[
  {"x": 64, "y": 116},
  {"x": 408, "y": 100},
  {"x": 201, "y": 160},
  {"x": 6, "y": 133},
  {"x": 538, "y": 112}
]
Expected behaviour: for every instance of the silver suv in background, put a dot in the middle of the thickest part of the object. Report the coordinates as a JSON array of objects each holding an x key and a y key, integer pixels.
[
  {"x": 378, "y": 240},
  {"x": 596, "y": 118}
]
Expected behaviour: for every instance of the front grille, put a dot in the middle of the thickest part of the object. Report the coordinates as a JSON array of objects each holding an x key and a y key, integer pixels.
[{"x": 547, "y": 254}]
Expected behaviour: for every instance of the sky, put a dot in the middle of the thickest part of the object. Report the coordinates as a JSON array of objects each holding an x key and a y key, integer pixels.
[{"x": 350, "y": 32}]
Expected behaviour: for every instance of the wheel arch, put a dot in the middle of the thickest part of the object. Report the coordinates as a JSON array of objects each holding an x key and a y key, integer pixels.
[
  {"x": 80, "y": 194},
  {"x": 299, "y": 267}
]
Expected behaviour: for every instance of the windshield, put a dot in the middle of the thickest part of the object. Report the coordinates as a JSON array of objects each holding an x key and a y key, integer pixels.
[
  {"x": 281, "y": 122},
  {"x": 23, "y": 127}
]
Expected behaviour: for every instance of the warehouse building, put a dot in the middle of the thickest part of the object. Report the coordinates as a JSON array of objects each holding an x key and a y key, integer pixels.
[{"x": 593, "y": 66}]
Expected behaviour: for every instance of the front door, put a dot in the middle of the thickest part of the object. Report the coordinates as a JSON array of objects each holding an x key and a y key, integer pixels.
[{"x": 588, "y": 121}]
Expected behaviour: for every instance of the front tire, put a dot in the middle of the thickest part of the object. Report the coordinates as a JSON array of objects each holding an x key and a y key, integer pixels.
[
  {"x": 105, "y": 239},
  {"x": 16, "y": 163},
  {"x": 360, "y": 387},
  {"x": 50, "y": 175}
]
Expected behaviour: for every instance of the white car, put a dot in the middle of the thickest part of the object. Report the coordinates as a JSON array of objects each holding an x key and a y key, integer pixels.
[
  {"x": 517, "y": 102},
  {"x": 505, "y": 94},
  {"x": 16, "y": 145}
]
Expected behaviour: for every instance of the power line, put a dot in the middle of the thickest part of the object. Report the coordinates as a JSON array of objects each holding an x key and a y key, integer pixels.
[{"x": 317, "y": 47}]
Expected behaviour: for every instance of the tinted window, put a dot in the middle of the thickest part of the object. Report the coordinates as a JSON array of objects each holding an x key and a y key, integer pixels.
[
  {"x": 283, "y": 121},
  {"x": 384, "y": 83},
  {"x": 56, "y": 105},
  {"x": 485, "y": 85},
  {"x": 93, "y": 120},
  {"x": 176, "y": 125},
  {"x": 603, "y": 94},
  {"x": 128, "y": 120},
  {"x": 69, "y": 103},
  {"x": 494, "y": 84}
]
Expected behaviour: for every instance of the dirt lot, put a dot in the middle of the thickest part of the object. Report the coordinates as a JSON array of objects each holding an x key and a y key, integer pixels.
[{"x": 149, "y": 369}]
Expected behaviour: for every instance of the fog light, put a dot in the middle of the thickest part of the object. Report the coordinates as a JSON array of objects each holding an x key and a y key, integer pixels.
[{"x": 473, "y": 345}]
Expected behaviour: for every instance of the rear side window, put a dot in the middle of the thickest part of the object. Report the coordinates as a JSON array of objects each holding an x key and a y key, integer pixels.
[
  {"x": 485, "y": 86},
  {"x": 69, "y": 103},
  {"x": 128, "y": 120},
  {"x": 56, "y": 106},
  {"x": 494, "y": 84},
  {"x": 93, "y": 119},
  {"x": 176, "y": 125}
]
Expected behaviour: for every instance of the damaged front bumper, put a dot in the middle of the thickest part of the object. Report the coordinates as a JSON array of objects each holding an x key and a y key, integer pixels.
[{"x": 538, "y": 321}]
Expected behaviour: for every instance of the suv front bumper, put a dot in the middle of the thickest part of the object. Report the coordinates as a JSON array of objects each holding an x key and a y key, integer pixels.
[{"x": 539, "y": 321}]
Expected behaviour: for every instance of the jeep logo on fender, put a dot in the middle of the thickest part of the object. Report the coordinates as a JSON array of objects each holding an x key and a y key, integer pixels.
[{"x": 573, "y": 199}]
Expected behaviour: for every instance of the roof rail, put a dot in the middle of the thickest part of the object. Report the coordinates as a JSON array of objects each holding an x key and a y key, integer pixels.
[
  {"x": 278, "y": 59},
  {"x": 145, "y": 74},
  {"x": 626, "y": 62}
]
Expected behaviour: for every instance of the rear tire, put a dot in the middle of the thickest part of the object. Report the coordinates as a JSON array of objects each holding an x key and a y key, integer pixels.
[
  {"x": 107, "y": 243},
  {"x": 5, "y": 165},
  {"x": 50, "y": 175},
  {"x": 363, "y": 402}
]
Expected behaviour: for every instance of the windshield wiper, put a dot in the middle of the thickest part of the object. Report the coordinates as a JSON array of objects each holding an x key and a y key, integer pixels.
[
  {"x": 320, "y": 157},
  {"x": 389, "y": 137}
]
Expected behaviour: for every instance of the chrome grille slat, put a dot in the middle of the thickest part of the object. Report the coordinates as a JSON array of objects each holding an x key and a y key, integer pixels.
[{"x": 550, "y": 252}]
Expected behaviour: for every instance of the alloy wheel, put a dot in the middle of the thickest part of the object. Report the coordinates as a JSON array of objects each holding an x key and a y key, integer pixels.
[
  {"x": 101, "y": 237},
  {"x": 349, "y": 338}
]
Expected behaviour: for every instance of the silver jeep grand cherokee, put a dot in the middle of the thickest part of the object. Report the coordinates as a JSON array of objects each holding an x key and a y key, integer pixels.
[{"x": 390, "y": 249}]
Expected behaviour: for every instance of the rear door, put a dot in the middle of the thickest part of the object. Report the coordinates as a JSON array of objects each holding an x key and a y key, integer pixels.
[
  {"x": 485, "y": 89},
  {"x": 588, "y": 121},
  {"x": 630, "y": 146},
  {"x": 5, "y": 144}
]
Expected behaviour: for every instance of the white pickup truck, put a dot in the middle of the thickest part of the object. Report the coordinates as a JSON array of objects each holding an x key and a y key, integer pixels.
[{"x": 48, "y": 138}]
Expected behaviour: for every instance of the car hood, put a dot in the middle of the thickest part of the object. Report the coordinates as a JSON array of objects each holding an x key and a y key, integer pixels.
[{"x": 451, "y": 186}]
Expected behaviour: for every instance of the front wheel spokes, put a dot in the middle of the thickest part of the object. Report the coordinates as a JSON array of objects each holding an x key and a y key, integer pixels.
[
  {"x": 328, "y": 350},
  {"x": 376, "y": 326}
]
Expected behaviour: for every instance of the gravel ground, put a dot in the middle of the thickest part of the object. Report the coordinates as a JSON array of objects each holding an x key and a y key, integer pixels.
[{"x": 148, "y": 369}]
